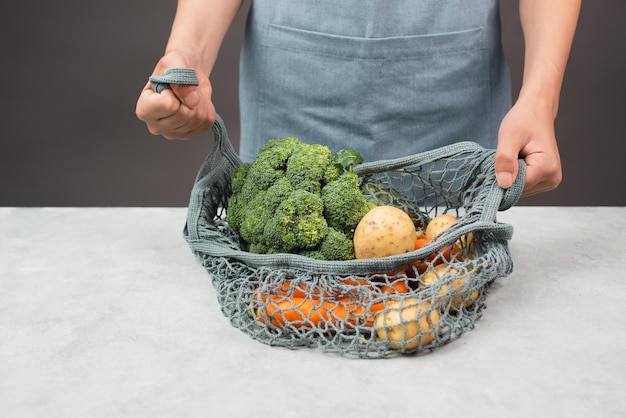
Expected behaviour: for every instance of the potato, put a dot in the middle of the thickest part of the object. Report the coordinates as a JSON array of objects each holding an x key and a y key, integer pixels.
[
  {"x": 401, "y": 323},
  {"x": 442, "y": 222},
  {"x": 384, "y": 231},
  {"x": 432, "y": 276},
  {"x": 439, "y": 224},
  {"x": 436, "y": 273}
]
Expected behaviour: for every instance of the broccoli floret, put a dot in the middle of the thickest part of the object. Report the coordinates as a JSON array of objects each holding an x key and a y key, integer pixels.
[
  {"x": 235, "y": 212},
  {"x": 260, "y": 209},
  {"x": 276, "y": 152},
  {"x": 258, "y": 248},
  {"x": 278, "y": 204},
  {"x": 255, "y": 216},
  {"x": 263, "y": 175},
  {"x": 277, "y": 193},
  {"x": 243, "y": 193},
  {"x": 239, "y": 178},
  {"x": 332, "y": 173},
  {"x": 314, "y": 253},
  {"x": 297, "y": 224},
  {"x": 342, "y": 161},
  {"x": 307, "y": 166},
  {"x": 337, "y": 246},
  {"x": 344, "y": 204}
]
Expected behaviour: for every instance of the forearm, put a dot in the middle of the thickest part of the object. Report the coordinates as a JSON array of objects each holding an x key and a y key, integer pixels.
[
  {"x": 199, "y": 29},
  {"x": 548, "y": 27}
]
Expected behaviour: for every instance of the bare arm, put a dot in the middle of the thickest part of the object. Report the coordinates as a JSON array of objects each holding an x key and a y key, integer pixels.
[
  {"x": 197, "y": 33},
  {"x": 528, "y": 129},
  {"x": 199, "y": 28}
]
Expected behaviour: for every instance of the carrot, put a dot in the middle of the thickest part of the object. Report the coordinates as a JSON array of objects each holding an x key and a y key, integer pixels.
[
  {"x": 302, "y": 290},
  {"x": 443, "y": 255},
  {"x": 309, "y": 312},
  {"x": 355, "y": 281},
  {"x": 302, "y": 308},
  {"x": 397, "y": 286}
]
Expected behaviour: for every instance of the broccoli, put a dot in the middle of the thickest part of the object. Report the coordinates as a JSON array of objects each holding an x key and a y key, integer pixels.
[
  {"x": 278, "y": 151},
  {"x": 345, "y": 159},
  {"x": 344, "y": 204},
  {"x": 297, "y": 224},
  {"x": 255, "y": 215},
  {"x": 239, "y": 179},
  {"x": 297, "y": 198},
  {"x": 243, "y": 193},
  {"x": 277, "y": 193},
  {"x": 337, "y": 246},
  {"x": 306, "y": 168}
]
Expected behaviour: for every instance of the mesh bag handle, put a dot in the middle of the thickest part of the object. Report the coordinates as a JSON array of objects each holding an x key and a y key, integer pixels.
[
  {"x": 214, "y": 176},
  {"x": 212, "y": 187}
]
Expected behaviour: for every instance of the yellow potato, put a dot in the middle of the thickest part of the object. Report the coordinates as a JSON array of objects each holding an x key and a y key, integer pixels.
[
  {"x": 438, "y": 224},
  {"x": 401, "y": 323},
  {"x": 433, "y": 275},
  {"x": 384, "y": 231},
  {"x": 442, "y": 222}
]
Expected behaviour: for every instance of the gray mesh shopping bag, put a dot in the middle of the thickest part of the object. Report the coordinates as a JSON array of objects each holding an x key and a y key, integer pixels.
[{"x": 369, "y": 308}]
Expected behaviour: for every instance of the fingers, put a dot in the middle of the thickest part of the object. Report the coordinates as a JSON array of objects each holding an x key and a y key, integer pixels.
[
  {"x": 543, "y": 166},
  {"x": 180, "y": 112},
  {"x": 529, "y": 134},
  {"x": 153, "y": 106},
  {"x": 543, "y": 173},
  {"x": 188, "y": 95}
]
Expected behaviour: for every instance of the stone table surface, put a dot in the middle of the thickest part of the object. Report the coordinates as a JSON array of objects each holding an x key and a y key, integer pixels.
[{"x": 105, "y": 312}]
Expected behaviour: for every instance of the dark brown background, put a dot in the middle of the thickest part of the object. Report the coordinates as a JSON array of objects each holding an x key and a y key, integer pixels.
[{"x": 72, "y": 71}]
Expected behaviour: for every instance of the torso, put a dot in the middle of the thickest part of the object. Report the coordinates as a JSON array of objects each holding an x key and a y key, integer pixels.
[{"x": 388, "y": 78}]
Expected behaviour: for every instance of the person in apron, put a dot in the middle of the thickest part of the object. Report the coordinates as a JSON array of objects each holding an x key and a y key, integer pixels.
[{"x": 387, "y": 78}]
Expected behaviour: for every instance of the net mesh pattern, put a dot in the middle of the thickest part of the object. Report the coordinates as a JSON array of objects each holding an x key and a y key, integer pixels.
[{"x": 375, "y": 308}]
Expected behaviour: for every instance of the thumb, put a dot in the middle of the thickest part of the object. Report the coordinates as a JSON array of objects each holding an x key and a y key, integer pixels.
[{"x": 506, "y": 164}]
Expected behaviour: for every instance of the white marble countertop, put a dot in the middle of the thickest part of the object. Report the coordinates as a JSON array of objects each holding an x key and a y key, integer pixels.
[{"x": 105, "y": 312}]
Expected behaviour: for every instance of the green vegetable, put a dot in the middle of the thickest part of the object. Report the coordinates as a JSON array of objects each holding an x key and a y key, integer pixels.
[
  {"x": 297, "y": 224},
  {"x": 298, "y": 198},
  {"x": 344, "y": 204},
  {"x": 337, "y": 246},
  {"x": 346, "y": 159}
]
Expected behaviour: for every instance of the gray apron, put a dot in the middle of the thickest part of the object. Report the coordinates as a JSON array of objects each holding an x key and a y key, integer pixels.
[{"x": 386, "y": 77}]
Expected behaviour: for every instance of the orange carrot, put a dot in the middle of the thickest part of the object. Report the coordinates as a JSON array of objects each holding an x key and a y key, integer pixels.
[
  {"x": 442, "y": 256},
  {"x": 301, "y": 307},
  {"x": 287, "y": 288},
  {"x": 309, "y": 312},
  {"x": 397, "y": 286}
]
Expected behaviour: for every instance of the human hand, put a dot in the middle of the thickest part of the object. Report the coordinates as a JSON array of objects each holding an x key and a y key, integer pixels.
[
  {"x": 527, "y": 131},
  {"x": 181, "y": 112}
]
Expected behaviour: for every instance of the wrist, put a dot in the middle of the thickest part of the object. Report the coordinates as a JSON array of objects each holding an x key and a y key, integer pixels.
[
  {"x": 191, "y": 55},
  {"x": 543, "y": 98}
]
